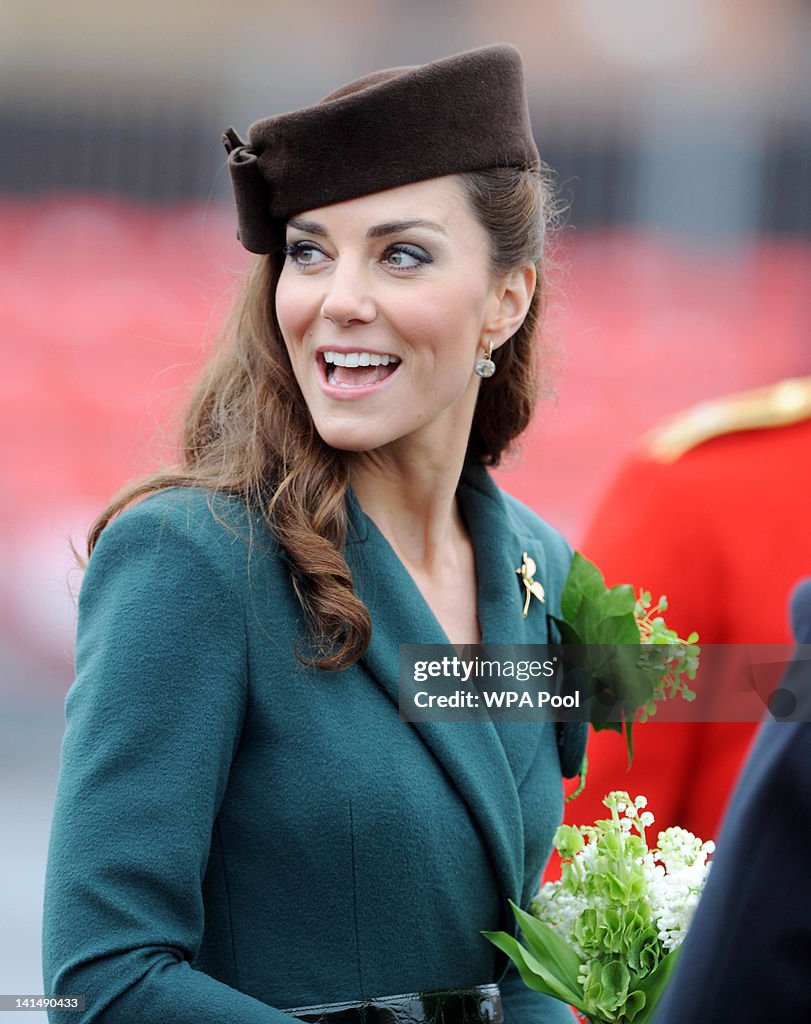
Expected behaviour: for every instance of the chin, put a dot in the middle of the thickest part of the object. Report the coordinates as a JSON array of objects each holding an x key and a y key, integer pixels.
[{"x": 353, "y": 439}]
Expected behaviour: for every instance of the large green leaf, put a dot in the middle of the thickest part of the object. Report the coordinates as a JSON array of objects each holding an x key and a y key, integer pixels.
[
  {"x": 533, "y": 973},
  {"x": 584, "y": 583},
  {"x": 599, "y": 726},
  {"x": 547, "y": 945},
  {"x": 617, "y": 601},
  {"x": 568, "y": 633},
  {"x": 614, "y": 629}
]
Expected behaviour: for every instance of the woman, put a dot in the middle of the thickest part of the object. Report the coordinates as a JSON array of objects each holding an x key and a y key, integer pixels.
[{"x": 243, "y": 824}]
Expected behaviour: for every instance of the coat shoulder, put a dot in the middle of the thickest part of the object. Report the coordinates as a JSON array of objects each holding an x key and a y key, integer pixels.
[
  {"x": 213, "y": 521},
  {"x": 190, "y": 535}
]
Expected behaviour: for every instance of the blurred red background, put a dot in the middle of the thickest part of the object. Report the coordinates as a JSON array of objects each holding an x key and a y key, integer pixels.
[{"x": 107, "y": 307}]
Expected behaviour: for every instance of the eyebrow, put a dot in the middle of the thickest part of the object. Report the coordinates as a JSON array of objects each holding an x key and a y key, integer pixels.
[
  {"x": 394, "y": 227},
  {"x": 309, "y": 227}
]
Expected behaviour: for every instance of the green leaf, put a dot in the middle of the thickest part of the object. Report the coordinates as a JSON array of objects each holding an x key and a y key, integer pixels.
[
  {"x": 615, "y": 629},
  {"x": 507, "y": 944},
  {"x": 616, "y": 979},
  {"x": 532, "y": 972},
  {"x": 600, "y": 726},
  {"x": 635, "y": 1003},
  {"x": 618, "y": 600},
  {"x": 568, "y": 840},
  {"x": 568, "y": 633},
  {"x": 547, "y": 945},
  {"x": 654, "y": 985},
  {"x": 584, "y": 582}
]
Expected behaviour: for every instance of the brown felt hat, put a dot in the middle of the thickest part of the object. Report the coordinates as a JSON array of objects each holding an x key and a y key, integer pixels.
[{"x": 462, "y": 113}]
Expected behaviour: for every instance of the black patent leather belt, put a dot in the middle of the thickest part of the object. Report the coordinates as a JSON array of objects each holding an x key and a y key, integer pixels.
[{"x": 479, "y": 1005}]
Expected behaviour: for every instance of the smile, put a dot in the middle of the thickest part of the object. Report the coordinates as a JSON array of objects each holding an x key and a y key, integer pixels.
[{"x": 358, "y": 369}]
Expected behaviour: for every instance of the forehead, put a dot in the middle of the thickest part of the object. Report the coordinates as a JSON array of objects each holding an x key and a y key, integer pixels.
[{"x": 440, "y": 200}]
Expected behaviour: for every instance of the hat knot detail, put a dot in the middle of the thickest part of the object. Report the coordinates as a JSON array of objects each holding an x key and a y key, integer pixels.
[{"x": 252, "y": 193}]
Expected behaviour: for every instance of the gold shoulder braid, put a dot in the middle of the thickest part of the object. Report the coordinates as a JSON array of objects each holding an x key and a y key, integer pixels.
[{"x": 775, "y": 405}]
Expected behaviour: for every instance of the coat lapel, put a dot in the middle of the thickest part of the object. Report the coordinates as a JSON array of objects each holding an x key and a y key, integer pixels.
[
  {"x": 472, "y": 754},
  {"x": 499, "y": 546}
]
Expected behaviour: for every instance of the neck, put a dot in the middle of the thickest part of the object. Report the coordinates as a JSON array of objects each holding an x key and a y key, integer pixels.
[{"x": 411, "y": 497}]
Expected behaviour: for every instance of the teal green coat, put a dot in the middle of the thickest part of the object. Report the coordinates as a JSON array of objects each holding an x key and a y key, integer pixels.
[{"x": 235, "y": 833}]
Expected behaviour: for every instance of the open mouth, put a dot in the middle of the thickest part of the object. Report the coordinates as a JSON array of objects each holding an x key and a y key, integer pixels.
[{"x": 358, "y": 369}]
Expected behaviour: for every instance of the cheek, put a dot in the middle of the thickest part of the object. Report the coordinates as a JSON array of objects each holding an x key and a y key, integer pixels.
[
  {"x": 452, "y": 319},
  {"x": 292, "y": 310}
]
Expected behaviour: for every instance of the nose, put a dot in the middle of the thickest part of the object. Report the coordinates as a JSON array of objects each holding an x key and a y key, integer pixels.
[{"x": 348, "y": 300}]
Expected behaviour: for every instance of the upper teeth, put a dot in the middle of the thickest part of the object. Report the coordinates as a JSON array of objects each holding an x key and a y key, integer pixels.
[{"x": 359, "y": 359}]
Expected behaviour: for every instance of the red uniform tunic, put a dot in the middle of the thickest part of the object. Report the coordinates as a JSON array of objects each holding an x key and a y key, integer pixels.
[{"x": 712, "y": 512}]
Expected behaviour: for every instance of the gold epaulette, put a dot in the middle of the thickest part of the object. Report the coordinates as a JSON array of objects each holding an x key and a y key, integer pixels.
[{"x": 775, "y": 405}]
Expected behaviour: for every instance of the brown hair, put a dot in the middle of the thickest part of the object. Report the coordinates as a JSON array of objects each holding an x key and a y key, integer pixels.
[{"x": 248, "y": 431}]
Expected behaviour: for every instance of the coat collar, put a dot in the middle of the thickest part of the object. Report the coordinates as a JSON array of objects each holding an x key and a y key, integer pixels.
[{"x": 472, "y": 754}]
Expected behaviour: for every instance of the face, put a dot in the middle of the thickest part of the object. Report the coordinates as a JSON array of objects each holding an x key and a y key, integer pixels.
[{"x": 383, "y": 303}]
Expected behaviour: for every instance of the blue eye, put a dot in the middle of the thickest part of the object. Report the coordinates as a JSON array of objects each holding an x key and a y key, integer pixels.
[
  {"x": 406, "y": 257},
  {"x": 304, "y": 254}
]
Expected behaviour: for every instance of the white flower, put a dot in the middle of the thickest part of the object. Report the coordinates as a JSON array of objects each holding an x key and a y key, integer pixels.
[
  {"x": 559, "y": 908},
  {"x": 676, "y": 887}
]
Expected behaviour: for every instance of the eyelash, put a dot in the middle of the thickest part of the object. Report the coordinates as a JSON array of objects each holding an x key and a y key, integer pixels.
[
  {"x": 417, "y": 253},
  {"x": 295, "y": 249}
]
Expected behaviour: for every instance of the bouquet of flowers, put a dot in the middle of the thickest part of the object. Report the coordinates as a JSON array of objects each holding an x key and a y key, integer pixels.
[{"x": 605, "y": 937}]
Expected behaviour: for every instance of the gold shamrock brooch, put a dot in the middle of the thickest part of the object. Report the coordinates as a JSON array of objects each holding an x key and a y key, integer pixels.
[{"x": 526, "y": 570}]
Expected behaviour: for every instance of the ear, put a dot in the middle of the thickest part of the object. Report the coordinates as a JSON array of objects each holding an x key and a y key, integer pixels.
[{"x": 511, "y": 299}]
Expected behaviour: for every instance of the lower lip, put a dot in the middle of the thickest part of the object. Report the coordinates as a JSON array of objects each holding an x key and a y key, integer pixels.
[{"x": 345, "y": 394}]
